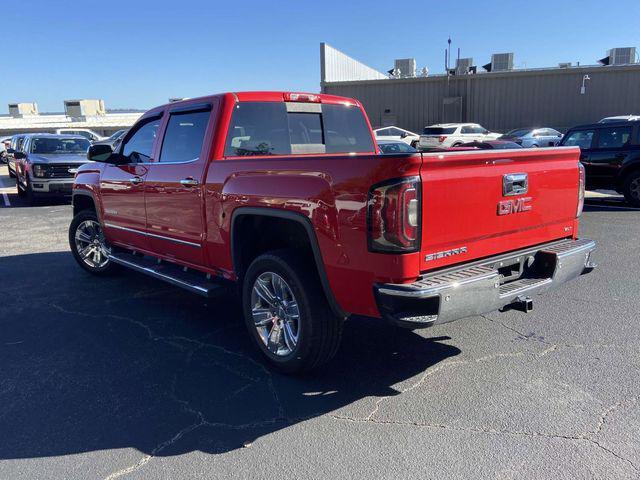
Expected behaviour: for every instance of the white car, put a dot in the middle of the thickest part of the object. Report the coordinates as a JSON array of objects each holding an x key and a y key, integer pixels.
[
  {"x": 397, "y": 133},
  {"x": 620, "y": 118},
  {"x": 446, "y": 135},
  {"x": 84, "y": 132}
]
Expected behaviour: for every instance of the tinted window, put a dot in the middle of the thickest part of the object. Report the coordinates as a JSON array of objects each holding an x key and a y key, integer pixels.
[
  {"x": 396, "y": 147},
  {"x": 439, "y": 130},
  {"x": 258, "y": 128},
  {"x": 267, "y": 129},
  {"x": 396, "y": 132},
  {"x": 385, "y": 132},
  {"x": 579, "y": 138},
  {"x": 45, "y": 145},
  {"x": 480, "y": 130},
  {"x": 139, "y": 147},
  {"x": 520, "y": 132},
  {"x": 184, "y": 136},
  {"x": 346, "y": 130},
  {"x": 615, "y": 137}
]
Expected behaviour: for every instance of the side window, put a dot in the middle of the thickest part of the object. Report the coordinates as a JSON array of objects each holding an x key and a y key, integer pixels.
[
  {"x": 396, "y": 132},
  {"x": 184, "y": 136},
  {"x": 139, "y": 147},
  {"x": 385, "y": 132},
  {"x": 480, "y": 130},
  {"x": 615, "y": 137},
  {"x": 579, "y": 138},
  {"x": 466, "y": 129}
]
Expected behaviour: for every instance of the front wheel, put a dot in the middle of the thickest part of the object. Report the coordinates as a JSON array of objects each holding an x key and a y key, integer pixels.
[
  {"x": 88, "y": 244},
  {"x": 631, "y": 189},
  {"x": 287, "y": 314}
]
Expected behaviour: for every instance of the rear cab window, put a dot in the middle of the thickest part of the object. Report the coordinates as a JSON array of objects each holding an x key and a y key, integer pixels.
[
  {"x": 439, "y": 130},
  {"x": 297, "y": 128}
]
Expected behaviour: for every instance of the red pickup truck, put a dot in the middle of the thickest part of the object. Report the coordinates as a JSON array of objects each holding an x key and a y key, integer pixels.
[{"x": 286, "y": 198}]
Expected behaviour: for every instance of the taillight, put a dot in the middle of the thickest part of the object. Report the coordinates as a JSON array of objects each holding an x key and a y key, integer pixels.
[
  {"x": 581, "y": 182},
  {"x": 393, "y": 216},
  {"x": 442, "y": 138}
]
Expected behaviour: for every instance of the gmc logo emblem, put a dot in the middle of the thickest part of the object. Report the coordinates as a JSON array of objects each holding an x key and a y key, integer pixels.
[{"x": 515, "y": 205}]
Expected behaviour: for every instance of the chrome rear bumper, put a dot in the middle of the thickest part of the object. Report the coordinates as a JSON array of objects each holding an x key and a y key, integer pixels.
[{"x": 486, "y": 285}]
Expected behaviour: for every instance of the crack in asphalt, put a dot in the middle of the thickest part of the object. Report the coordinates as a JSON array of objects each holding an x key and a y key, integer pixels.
[{"x": 177, "y": 341}]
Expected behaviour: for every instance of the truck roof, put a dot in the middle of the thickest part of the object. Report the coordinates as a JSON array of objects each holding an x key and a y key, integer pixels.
[{"x": 270, "y": 96}]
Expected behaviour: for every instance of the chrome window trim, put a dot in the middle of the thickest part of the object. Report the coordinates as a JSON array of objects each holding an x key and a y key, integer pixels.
[{"x": 154, "y": 235}]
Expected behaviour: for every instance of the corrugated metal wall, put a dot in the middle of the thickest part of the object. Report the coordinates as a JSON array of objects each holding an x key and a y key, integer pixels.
[{"x": 501, "y": 101}]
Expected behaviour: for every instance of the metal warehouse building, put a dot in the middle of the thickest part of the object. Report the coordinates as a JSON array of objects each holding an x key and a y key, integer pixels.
[{"x": 499, "y": 100}]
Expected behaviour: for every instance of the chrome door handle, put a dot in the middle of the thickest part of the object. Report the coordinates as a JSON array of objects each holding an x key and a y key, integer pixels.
[
  {"x": 136, "y": 180},
  {"x": 189, "y": 182}
]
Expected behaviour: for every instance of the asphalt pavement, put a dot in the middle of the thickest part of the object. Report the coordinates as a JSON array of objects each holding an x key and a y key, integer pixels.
[{"x": 127, "y": 377}]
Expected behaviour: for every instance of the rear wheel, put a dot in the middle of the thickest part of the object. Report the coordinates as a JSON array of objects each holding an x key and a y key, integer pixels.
[
  {"x": 287, "y": 314},
  {"x": 631, "y": 189},
  {"x": 88, "y": 244}
]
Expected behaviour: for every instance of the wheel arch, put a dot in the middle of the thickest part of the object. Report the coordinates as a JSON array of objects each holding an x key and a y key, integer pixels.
[
  {"x": 301, "y": 227},
  {"x": 631, "y": 167},
  {"x": 83, "y": 200}
]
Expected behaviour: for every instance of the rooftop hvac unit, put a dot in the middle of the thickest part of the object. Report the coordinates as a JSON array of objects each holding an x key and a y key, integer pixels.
[
  {"x": 19, "y": 110},
  {"x": 622, "y": 56},
  {"x": 407, "y": 66},
  {"x": 501, "y": 62},
  {"x": 84, "y": 108},
  {"x": 463, "y": 66},
  {"x": 564, "y": 65}
]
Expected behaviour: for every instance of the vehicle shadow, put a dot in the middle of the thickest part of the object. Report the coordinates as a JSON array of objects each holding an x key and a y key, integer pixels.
[{"x": 125, "y": 361}]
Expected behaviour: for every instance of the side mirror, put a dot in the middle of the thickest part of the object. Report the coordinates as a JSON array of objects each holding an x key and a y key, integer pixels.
[
  {"x": 404, "y": 135},
  {"x": 104, "y": 153}
]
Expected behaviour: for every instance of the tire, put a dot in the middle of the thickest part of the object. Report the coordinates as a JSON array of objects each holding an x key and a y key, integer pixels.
[
  {"x": 28, "y": 194},
  {"x": 317, "y": 329},
  {"x": 631, "y": 189},
  {"x": 457, "y": 144},
  {"x": 81, "y": 222},
  {"x": 534, "y": 146}
]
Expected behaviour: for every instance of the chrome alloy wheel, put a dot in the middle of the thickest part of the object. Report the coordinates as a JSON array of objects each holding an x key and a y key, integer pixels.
[
  {"x": 91, "y": 245},
  {"x": 275, "y": 313},
  {"x": 634, "y": 188}
]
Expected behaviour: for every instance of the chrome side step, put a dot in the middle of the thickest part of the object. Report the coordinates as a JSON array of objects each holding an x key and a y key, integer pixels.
[{"x": 195, "y": 282}]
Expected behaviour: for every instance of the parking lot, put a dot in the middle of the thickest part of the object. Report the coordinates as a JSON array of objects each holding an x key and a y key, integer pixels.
[{"x": 131, "y": 378}]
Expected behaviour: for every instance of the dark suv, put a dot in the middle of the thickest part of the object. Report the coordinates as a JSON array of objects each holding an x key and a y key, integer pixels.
[{"x": 610, "y": 155}]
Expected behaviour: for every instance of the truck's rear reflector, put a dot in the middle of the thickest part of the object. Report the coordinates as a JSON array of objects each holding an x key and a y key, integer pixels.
[
  {"x": 393, "y": 216},
  {"x": 581, "y": 185},
  {"x": 301, "y": 97}
]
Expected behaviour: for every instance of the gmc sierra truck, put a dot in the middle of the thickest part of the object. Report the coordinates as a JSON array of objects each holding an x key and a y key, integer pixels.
[{"x": 285, "y": 199}]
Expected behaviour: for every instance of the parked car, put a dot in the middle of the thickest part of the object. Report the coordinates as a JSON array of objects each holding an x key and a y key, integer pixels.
[
  {"x": 15, "y": 147},
  {"x": 397, "y": 134},
  {"x": 629, "y": 118},
  {"x": 83, "y": 132},
  {"x": 533, "y": 137},
  {"x": 114, "y": 140},
  {"x": 395, "y": 146},
  {"x": 453, "y": 135},
  {"x": 610, "y": 153},
  {"x": 492, "y": 145},
  {"x": 284, "y": 196},
  {"x": 47, "y": 164},
  {"x": 5, "y": 143}
]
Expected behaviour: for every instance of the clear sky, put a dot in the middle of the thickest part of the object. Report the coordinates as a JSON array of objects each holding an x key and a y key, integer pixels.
[{"x": 138, "y": 53}]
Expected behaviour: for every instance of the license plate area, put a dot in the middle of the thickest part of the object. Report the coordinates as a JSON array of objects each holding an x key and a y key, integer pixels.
[{"x": 530, "y": 265}]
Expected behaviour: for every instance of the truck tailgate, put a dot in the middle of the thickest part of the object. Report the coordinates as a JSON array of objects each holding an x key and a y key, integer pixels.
[{"x": 468, "y": 211}]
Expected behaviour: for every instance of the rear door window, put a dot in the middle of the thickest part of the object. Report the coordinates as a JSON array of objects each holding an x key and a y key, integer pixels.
[
  {"x": 267, "y": 128},
  {"x": 184, "y": 136},
  {"x": 614, "y": 137},
  {"x": 579, "y": 138},
  {"x": 438, "y": 130}
]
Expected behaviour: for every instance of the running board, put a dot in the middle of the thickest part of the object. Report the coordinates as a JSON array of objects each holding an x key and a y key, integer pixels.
[{"x": 192, "y": 280}]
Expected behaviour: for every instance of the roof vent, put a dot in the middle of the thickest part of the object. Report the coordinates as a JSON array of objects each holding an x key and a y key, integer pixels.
[{"x": 25, "y": 109}]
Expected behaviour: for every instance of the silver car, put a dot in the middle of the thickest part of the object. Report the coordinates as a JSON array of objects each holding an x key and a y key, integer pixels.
[{"x": 533, "y": 137}]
